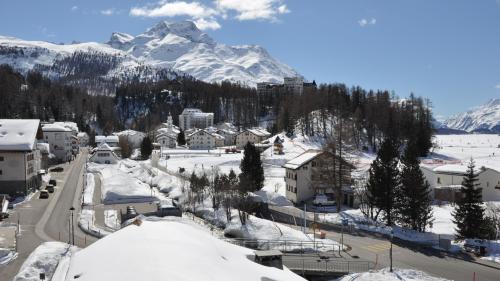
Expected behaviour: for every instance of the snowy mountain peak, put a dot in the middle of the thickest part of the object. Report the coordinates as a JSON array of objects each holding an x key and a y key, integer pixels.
[
  {"x": 484, "y": 118},
  {"x": 177, "y": 46}
]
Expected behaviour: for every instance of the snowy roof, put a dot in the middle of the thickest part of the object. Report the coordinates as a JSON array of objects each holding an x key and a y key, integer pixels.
[
  {"x": 55, "y": 128},
  {"x": 18, "y": 134},
  {"x": 453, "y": 168},
  {"x": 99, "y": 139},
  {"x": 258, "y": 132},
  {"x": 302, "y": 159},
  {"x": 67, "y": 124},
  {"x": 169, "y": 248},
  {"x": 166, "y": 135},
  {"x": 103, "y": 147},
  {"x": 82, "y": 135}
]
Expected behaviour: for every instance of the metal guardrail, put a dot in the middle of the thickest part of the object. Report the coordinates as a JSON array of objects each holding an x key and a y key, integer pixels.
[
  {"x": 326, "y": 265},
  {"x": 285, "y": 246}
]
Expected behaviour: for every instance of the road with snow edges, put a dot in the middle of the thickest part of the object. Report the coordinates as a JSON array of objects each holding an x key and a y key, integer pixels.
[{"x": 44, "y": 220}]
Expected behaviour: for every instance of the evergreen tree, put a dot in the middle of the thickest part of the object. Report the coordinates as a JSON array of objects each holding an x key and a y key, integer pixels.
[
  {"x": 469, "y": 212},
  {"x": 146, "y": 147},
  {"x": 252, "y": 173},
  {"x": 384, "y": 179},
  {"x": 181, "y": 138},
  {"x": 413, "y": 201}
]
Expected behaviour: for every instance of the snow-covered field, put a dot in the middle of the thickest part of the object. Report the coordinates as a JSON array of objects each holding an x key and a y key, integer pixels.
[
  {"x": 483, "y": 148},
  {"x": 385, "y": 275},
  {"x": 172, "y": 248},
  {"x": 7, "y": 256},
  {"x": 88, "y": 191}
]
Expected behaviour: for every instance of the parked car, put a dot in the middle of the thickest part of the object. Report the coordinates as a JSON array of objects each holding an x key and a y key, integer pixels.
[
  {"x": 322, "y": 200},
  {"x": 57, "y": 169},
  {"x": 44, "y": 194},
  {"x": 53, "y": 182},
  {"x": 50, "y": 188}
]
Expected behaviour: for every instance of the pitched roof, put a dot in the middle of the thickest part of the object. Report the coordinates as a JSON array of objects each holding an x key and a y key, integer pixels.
[
  {"x": 55, "y": 128},
  {"x": 302, "y": 159},
  {"x": 258, "y": 132},
  {"x": 18, "y": 134}
]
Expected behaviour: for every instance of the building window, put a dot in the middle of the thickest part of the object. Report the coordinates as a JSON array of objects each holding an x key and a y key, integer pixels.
[
  {"x": 438, "y": 180},
  {"x": 1, "y": 172},
  {"x": 1, "y": 158}
]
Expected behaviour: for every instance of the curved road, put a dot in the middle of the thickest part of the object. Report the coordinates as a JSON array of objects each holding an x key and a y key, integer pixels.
[{"x": 44, "y": 220}]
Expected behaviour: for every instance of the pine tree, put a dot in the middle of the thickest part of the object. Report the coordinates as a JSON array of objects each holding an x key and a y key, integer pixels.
[
  {"x": 181, "y": 138},
  {"x": 469, "y": 212},
  {"x": 384, "y": 179},
  {"x": 413, "y": 199},
  {"x": 252, "y": 172},
  {"x": 146, "y": 147}
]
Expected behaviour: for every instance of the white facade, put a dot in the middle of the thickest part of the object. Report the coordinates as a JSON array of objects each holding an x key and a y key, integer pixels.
[
  {"x": 19, "y": 156},
  {"x": 166, "y": 141},
  {"x": 195, "y": 118},
  {"x": 60, "y": 141},
  {"x": 202, "y": 139},
  {"x": 103, "y": 154},
  {"x": 255, "y": 135},
  {"x": 83, "y": 139},
  {"x": 450, "y": 177},
  {"x": 294, "y": 85}
]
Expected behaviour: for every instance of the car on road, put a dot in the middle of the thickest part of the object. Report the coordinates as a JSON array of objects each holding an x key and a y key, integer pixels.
[
  {"x": 50, "y": 188},
  {"x": 44, "y": 194},
  {"x": 57, "y": 169},
  {"x": 53, "y": 182},
  {"x": 322, "y": 200}
]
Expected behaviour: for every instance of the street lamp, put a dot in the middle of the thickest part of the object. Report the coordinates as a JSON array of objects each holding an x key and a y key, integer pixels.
[
  {"x": 390, "y": 251},
  {"x": 72, "y": 209}
]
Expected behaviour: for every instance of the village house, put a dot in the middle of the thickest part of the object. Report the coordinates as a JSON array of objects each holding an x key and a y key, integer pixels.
[
  {"x": 446, "y": 180},
  {"x": 309, "y": 174},
  {"x": 111, "y": 140},
  {"x": 195, "y": 118},
  {"x": 19, "y": 156},
  {"x": 59, "y": 139},
  {"x": 202, "y": 139},
  {"x": 167, "y": 136},
  {"x": 103, "y": 154},
  {"x": 254, "y": 136}
]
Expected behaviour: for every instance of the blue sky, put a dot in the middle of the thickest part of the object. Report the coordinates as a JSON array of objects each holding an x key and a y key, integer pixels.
[{"x": 447, "y": 50}]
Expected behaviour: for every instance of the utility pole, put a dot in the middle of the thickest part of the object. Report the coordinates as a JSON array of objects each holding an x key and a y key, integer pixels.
[
  {"x": 390, "y": 252},
  {"x": 305, "y": 213},
  {"x": 72, "y": 209}
]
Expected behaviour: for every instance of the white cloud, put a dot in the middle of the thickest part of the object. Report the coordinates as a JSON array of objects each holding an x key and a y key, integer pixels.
[
  {"x": 366, "y": 22},
  {"x": 207, "y": 16},
  {"x": 497, "y": 86},
  {"x": 254, "y": 9},
  {"x": 108, "y": 12},
  {"x": 205, "y": 24},
  {"x": 74, "y": 8},
  {"x": 172, "y": 9}
]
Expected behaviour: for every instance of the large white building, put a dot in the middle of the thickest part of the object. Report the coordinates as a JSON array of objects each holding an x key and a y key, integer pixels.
[
  {"x": 291, "y": 85},
  {"x": 103, "y": 154},
  {"x": 254, "y": 135},
  {"x": 19, "y": 157},
  {"x": 195, "y": 118},
  {"x": 60, "y": 140},
  {"x": 202, "y": 139},
  {"x": 167, "y": 135},
  {"x": 112, "y": 140},
  {"x": 446, "y": 180}
]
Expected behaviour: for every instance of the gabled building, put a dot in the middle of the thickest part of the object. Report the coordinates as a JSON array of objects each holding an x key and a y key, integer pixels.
[
  {"x": 310, "y": 174},
  {"x": 167, "y": 135},
  {"x": 103, "y": 154},
  {"x": 254, "y": 136},
  {"x": 112, "y": 140},
  {"x": 19, "y": 157},
  {"x": 445, "y": 181},
  {"x": 202, "y": 139}
]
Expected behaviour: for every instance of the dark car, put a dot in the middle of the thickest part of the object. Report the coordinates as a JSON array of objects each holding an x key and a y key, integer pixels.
[
  {"x": 50, "y": 188},
  {"x": 44, "y": 194},
  {"x": 53, "y": 182},
  {"x": 57, "y": 169}
]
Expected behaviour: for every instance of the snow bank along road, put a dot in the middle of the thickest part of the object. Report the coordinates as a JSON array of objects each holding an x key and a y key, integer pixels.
[{"x": 47, "y": 219}]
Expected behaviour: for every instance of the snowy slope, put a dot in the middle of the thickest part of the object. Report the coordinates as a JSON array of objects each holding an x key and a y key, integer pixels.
[
  {"x": 180, "y": 47},
  {"x": 484, "y": 118}
]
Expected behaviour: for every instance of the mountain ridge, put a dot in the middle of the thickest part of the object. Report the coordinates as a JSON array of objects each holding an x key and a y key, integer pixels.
[{"x": 480, "y": 119}]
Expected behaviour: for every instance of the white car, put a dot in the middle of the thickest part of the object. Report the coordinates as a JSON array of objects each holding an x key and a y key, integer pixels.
[{"x": 322, "y": 200}]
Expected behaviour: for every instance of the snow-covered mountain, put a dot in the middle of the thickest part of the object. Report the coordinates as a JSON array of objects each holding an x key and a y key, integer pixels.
[
  {"x": 178, "y": 46},
  {"x": 484, "y": 118}
]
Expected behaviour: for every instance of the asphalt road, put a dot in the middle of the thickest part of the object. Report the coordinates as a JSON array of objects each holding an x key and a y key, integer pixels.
[{"x": 44, "y": 220}]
